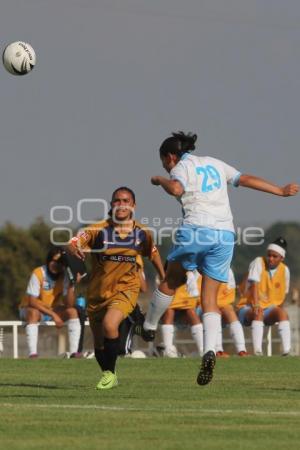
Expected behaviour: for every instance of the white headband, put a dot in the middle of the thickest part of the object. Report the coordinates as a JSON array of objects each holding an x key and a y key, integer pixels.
[{"x": 276, "y": 248}]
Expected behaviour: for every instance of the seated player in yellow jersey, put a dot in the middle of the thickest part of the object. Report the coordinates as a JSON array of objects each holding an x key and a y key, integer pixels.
[
  {"x": 50, "y": 296},
  {"x": 183, "y": 305},
  {"x": 263, "y": 294},
  {"x": 114, "y": 282},
  {"x": 225, "y": 300}
]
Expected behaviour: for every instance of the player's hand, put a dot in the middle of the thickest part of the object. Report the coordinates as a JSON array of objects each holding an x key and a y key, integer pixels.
[
  {"x": 79, "y": 277},
  {"x": 257, "y": 310},
  {"x": 155, "y": 180},
  {"x": 73, "y": 250},
  {"x": 58, "y": 321},
  {"x": 290, "y": 189}
]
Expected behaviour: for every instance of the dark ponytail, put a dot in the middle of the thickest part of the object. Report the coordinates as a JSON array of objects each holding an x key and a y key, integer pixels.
[{"x": 178, "y": 144}]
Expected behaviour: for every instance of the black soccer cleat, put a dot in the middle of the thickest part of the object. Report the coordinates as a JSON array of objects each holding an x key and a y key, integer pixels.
[
  {"x": 146, "y": 335},
  {"x": 207, "y": 368}
]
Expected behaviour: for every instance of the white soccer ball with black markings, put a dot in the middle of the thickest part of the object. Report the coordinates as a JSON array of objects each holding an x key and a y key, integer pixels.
[
  {"x": 138, "y": 354},
  {"x": 19, "y": 58}
]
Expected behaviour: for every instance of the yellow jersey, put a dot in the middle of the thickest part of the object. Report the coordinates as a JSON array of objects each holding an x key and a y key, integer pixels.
[
  {"x": 44, "y": 288},
  {"x": 115, "y": 259},
  {"x": 272, "y": 288}
]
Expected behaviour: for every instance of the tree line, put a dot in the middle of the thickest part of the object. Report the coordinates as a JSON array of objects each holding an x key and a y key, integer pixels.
[{"x": 23, "y": 249}]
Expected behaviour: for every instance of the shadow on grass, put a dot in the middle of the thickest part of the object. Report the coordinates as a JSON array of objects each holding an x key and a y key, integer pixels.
[
  {"x": 24, "y": 396},
  {"x": 44, "y": 386},
  {"x": 40, "y": 386},
  {"x": 281, "y": 389}
]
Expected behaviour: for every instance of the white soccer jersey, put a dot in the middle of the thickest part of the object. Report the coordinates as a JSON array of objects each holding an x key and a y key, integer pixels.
[
  {"x": 205, "y": 199},
  {"x": 256, "y": 268}
]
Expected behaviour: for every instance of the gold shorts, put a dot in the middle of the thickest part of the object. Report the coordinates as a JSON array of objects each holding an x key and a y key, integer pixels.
[
  {"x": 190, "y": 303},
  {"x": 224, "y": 304},
  {"x": 123, "y": 301}
]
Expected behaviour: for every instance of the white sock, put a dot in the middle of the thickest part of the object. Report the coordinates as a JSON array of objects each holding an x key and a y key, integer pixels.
[
  {"x": 257, "y": 328},
  {"x": 32, "y": 332},
  {"x": 284, "y": 331},
  {"x": 211, "y": 328},
  {"x": 156, "y": 308},
  {"x": 237, "y": 334},
  {"x": 197, "y": 334},
  {"x": 167, "y": 331},
  {"x": 74, "y": 330},
  {"x": 1, "y": 340},
  {"x": 219, "y": 341}
]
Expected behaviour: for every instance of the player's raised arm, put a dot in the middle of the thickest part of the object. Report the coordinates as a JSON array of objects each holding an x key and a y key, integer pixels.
[
  {"x": 81, "y": 243},
  {"x": 172, "y": 187},
  {"x": 73, "y": 249},
  {"x": 259, "y": 184}
]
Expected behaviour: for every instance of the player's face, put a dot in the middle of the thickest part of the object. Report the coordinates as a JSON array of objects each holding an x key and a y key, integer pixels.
[
  {"x": 273, "y": 259},
  {"x": 55, "y": 267},
  {"x": 122, "y": 205},
  {"x": 169, "y": 161}
]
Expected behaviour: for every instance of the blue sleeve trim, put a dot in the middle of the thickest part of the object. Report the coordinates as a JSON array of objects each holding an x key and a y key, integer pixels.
[
  {"x": 184, "y": 156},
  {"x": 236, "y": 181}
]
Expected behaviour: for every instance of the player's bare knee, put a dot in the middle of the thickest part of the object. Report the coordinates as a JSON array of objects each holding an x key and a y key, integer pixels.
[
  {"x": 110, "y": 328},
  {"x": 111, "y": 332},
  {"x": 258, "y": 315},
  {"x": 282, "y": 315},
  {"x": 71, "y": 313},
  {"x": 32, "y": 315}
]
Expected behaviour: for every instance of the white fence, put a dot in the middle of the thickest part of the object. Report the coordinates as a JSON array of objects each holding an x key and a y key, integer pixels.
[
  {"x": 271, "y": 337},
  {"x": 15, "y": 325}
]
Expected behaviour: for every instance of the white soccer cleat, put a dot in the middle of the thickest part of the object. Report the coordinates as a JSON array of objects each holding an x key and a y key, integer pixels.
[{"x": 171, "y": 352}]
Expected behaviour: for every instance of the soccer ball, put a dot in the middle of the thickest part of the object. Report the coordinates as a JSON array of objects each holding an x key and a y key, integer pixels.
[
  {"x": 138, "y": 354},
  {"x": 19, "y": 58}
]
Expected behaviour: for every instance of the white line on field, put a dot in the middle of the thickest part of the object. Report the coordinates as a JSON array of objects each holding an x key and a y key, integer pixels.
[{"x": 145, "y": 409}]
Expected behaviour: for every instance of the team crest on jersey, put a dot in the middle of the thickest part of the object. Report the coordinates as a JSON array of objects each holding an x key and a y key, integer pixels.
[
  {"x": 83, "y": 235},
  {"x": 46, "y": 285},
  {"x": 277, "y": 285}
]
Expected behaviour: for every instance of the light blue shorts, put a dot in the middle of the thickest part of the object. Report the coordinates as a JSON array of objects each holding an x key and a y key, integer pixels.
[
  {"x": 44, "y": 318},
  {"x": 242, "y": 313},
  {"x": 205, "y": 249}
]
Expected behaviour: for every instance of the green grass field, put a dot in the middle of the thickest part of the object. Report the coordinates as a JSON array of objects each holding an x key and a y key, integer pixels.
[{"x": 252, "y": 403}]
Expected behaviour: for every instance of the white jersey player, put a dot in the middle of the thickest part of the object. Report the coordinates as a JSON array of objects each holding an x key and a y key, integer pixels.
[{"x": 205, "y": 241}]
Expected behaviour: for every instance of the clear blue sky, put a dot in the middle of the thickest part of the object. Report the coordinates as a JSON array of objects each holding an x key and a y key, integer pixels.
[{"x": 114, "y": 78}]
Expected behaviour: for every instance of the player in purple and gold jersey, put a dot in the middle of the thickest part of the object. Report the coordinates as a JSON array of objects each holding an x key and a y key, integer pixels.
[{"x": 114, "y": 283}]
